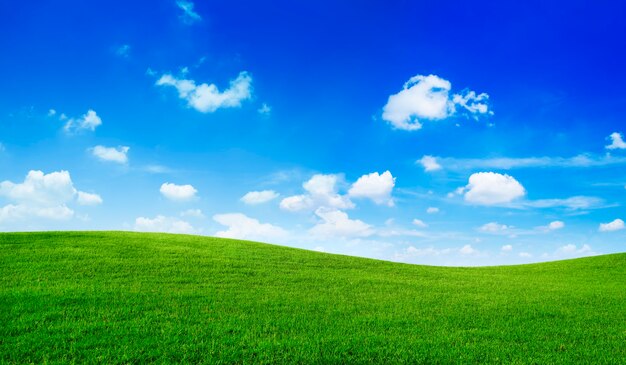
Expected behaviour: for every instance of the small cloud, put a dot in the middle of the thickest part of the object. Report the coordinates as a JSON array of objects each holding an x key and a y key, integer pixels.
[
  {"x": 259, "y": 197},
  {"x": 428, "y": 98},
  {"x": 376, "y": 187},
  {"x": 265, "y": 110},
  {"x": 494, "y": 227},
  {"x": 207, "y": 98},
  {"x": 88, "y": 199},
  {"x": 111, "y": 154},
  {"x": 179, "y": 193},
  {"x": 615, "y": 225},
  {"x": 52, "y": 112},
  {"x": 336, "y": 223},
  {"x": 506, "y": 248},
  {"x": 123, "y": 50},
  {"x": 490, "y": 188},
  {"x": 525, "y": 255},
  {"x": 432, "y": 210},
  {"x": 468, "y": 250},
  {"x": 241, "y": 226},
  {"x": 321, "y": 191},
  {"x": 89, "y": 121},
  {"x": 164, "y": 224},
  {"x": 193, "y": 213},
  {"x": 419, "y": 223},
  {"x": 189, "y": 16},
  {"x": 617, "y": 142},
  {"x": 429, "y": 163},
  {"x": 556, "y": 225}
]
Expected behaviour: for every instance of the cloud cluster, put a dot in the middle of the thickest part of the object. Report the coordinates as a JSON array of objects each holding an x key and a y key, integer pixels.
[
  {"x": 321, "y": 191},
  {"x": 43, "y": 196},
  {"x": 207, "y": 98},
  {"x": 428, "y": 98},
  {"x": 335, "y": 223}
]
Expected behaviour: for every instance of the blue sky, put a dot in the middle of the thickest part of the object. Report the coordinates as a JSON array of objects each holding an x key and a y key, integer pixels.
[{"x": 438, "y": 133}]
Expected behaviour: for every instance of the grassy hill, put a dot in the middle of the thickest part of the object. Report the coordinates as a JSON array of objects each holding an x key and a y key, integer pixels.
[{"x": 118, "y": 297}]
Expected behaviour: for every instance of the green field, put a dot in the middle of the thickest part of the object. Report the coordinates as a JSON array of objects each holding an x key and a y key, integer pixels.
[{"x": 116, "y": 297}]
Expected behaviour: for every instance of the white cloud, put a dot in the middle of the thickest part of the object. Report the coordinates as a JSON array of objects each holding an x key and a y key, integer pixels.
[
  {"x": 617, "y": 142},
  {"x": 335, "y": 223},
  {"x": 89, "y": 121},
  {"x": 525, "y": 255},
  {"x": 506, "y": 248},
  {"x": 193, "y": 213},
  {"x": 556, "y": 225},
  {"x": 207, "y": 98},
  {"x": 494, "y": 227},
  {"x": 42, "y": 196},
  {"x": 189, "y": 16},
  {"x": 88, "y": 198},
  {"x": 615, "y": 225},
  {"x": 258, "y": 197},
  {"x": 265, "y": 110},
  {"x": 419, "y": 223},
  {"x": 413, "y": 251},
  {"x": 432, "y": 210},
  {"x": 427, "y": 98},
  {"x": 322, "y": 191},
  {"x": 241, "y": 226},
  {"x": 429, "y": 163},
  {"x": 374, "y": 186},
  {"x": 571, "y": 203},
  {"x": 468, "y": 250},
  {"x": 571, "y": 250},
  {"x": 123, "y": 50},
  {"x": 163, "y": 224},
  {"x": 178, "y": 192},
  {"x": 112, "y": 154},
  {"x": 490, "y": 188}
]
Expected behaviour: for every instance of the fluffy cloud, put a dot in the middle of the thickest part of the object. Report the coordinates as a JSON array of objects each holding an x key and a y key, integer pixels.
[
  {"x": 112, "y": 154},
  {"x": 178, "y": 192},
  {"x": 616, "y": 142},
  {"x": 322, "y": 191},
  {"x": 427, "y": 98},
  {"x": 374, "y": 186},
  {"x": 335, "y": 223},
  {"x": 189, "y": 16},
  {"x": 207, "y": 98},
  {"x": 89, "y": 121},
  {"x": 43, "y": 196},
  {"x": 615, "y": 225},
  {"x": 429, "y": 163},
  {"x": 490, "y": 188},
  {"x": 494, "y": 227},
  {"x": 241, "y": 226},
  {"x": 258, "y": 197},
  {"x": 163, "y": 224}
]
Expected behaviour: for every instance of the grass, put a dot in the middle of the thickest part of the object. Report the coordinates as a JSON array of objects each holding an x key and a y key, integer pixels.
[{"x": 119, "y": 297}]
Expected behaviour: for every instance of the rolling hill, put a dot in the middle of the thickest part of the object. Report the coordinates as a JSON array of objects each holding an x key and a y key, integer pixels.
[{"x": 121, "y": 297}]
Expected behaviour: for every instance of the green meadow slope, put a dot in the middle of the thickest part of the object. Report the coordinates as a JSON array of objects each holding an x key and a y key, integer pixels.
[{"x": 118, "y": 297}]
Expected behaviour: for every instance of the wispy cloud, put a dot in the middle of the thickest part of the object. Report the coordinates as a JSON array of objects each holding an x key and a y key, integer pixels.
[
  {"x": 189, "y": 16},
  {"x": 509, "y": 163}
]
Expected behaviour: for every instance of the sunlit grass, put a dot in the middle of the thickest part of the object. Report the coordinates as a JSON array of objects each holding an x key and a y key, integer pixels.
[{"x": 116, "y": 297}]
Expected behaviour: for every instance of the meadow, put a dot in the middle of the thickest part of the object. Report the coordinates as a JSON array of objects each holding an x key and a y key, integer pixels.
[{"x": 121, "y": 297}]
